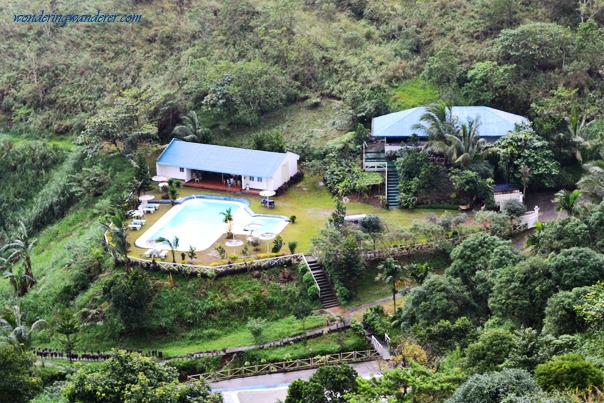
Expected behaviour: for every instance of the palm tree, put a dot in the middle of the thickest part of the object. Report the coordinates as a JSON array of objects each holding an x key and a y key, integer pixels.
[
  {"x": 463, "y": 147},
  {"x": 21, "y": 249},
  {"x": 115, "y": 226},
  {"x": 192, "y": 129},
  {"x": 228, "y": 219},
  {"x": 17, "y": 332},
  {"x": 391, "y": 273},
  {"x": 438, "y": 122},
  {"x": 171, "y": 244},
  {"x": 20, "y": 281},
  {"x": 592, "y": 183},
  {"x": 567, "y": 201}
]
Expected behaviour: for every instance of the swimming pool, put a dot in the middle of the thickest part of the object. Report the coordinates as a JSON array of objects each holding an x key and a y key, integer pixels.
[{"x": 198, "y": 222}]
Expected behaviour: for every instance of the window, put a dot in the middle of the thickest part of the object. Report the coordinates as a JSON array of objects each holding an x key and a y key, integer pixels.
[
  {"x": 251, "y": 178},
  {"x": 182, "y": 169},
  {"x": 259, "y": 179}
]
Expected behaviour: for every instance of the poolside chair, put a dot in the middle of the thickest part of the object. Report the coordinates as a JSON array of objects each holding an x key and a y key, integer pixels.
[
  {"x": 138, "y": 222},
  {"x": 151, "y": 253},
  {"x": 136, "y": 227},
  {"x": 154, "y": 205},
  {"x": 148, "y": 210},
  {"x": 163, "y": 254},
  {"x": 270, "y": 204}
]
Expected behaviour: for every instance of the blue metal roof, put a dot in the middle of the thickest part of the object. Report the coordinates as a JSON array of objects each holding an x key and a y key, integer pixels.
[
  {"x": 228, "y": 160},
  {"x": 493, "y": 122},
  {"x": 505, "y": 188}
]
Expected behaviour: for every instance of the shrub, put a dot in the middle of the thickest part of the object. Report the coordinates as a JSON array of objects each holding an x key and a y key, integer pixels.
[
  {"x": 221, "y": 251},
  {"x": 568, "y": 372},
  {"x": 494, "y": 387},
  {"x": 313, "y": 292},
  {"x": 292, "y": 219},
  {"x": 292, "y": 246},
  {"x": 514, "y": 208},
  {"x": 277, "y": 244},
  {"x": 308, "y": 279}
]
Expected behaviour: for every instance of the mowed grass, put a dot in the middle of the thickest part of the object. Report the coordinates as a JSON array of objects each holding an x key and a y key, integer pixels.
[
  {"x": 191, "y": 342},
  {"x": 310, "y": 202}
]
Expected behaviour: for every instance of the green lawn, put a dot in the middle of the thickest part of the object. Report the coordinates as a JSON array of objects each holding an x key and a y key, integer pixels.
[{"x": 312, "y": 205}]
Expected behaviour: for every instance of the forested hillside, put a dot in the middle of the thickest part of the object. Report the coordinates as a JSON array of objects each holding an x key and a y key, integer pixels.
[{"x": 85, "y": 109}]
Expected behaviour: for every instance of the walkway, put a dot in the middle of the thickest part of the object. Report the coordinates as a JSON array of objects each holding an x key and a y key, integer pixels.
[{"x": 269, "y": 388}]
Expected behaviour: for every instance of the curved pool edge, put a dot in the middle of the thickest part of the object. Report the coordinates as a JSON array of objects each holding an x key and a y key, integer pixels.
[{"x": 179, "y": 203}]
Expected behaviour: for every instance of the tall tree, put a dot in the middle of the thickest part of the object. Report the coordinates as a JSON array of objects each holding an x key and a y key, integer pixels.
[
  {"x": 18, "y": 380},
  {"x": 437, "y": 122},
  {"x": 16, "y": 331},
  {"x": 69, "y": 328},
  {"x": 192, "y": 129},
  {"x": 391, "y": 273},
  {"x": 20, "y": 249},
  {"x": 592, "y": 182},
  {"x": 115, "y": 227},
  {"x": 465, "y": 146}
]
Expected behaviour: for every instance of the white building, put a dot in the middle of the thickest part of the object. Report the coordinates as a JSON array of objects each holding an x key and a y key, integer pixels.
[
  {"x": 505, "y": 192},
  {"x": 237, "y": 167}
]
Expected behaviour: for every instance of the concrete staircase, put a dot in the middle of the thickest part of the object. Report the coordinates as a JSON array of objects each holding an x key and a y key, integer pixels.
[
  {"x": 326, "y": 294},
  {"x": 392, "y": 189}
]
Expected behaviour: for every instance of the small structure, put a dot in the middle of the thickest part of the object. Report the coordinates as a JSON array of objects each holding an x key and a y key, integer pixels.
[
  {"x": 230, "y": 167},
  {"x": 504, "y": 192}
]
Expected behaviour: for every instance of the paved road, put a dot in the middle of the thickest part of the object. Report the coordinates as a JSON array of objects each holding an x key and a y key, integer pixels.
[{"x": 269, "y": 388}]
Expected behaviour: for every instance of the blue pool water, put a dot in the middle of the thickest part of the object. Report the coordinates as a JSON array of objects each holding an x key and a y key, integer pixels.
[{"x": 198, "y": 222}]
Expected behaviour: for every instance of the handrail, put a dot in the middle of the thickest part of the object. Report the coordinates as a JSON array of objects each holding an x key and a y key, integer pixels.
[{"x": 312, "y": 274}]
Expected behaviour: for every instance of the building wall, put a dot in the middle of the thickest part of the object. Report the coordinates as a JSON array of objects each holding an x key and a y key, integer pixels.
[
  {"x": 173, "y": 172},
  {"x": 503, "y": 197},
  {"x": 278, "y": 179}
]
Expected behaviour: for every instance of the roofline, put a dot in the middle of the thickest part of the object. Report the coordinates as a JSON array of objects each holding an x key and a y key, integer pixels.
[{"x": 174, "y": 139}]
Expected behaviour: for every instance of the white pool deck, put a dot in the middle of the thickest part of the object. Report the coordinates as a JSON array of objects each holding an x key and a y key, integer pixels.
[{"x": 204, "y": 237}]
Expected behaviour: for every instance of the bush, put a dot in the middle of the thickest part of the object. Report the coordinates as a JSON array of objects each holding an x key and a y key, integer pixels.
[
  {"x": 292, "y": 247},
  {"x": 292, "y": 219},
  {"x": 277, "y": 244},
  {"x": 514, "y": 208},
  {"x": 308, "y": 279},
  {"x": 494, "y": 387},
  {"x": 313, "y": 292},
  {"x": 568, "y": 372}
]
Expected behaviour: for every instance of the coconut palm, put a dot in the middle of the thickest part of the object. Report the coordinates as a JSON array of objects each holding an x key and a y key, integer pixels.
[
  {"x": 115, "y": 227},
  {"x": 192, "y": 129},
  {"x": 437, "y": 122},
  {"x": 567, "y": 201},
  {"x": 171, "y": 244},
  {"x": 16, "y": 332},
  {"x": 463, "y": 147},
  {"x": 20, "y": 249},
  {"x": 391, "y": 273},
  {"x": 228, "y": 218},
  {"x": 592, "y": 182}
]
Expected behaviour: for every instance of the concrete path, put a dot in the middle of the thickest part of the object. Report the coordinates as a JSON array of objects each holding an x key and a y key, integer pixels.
[{"x": 269, "y": 388}]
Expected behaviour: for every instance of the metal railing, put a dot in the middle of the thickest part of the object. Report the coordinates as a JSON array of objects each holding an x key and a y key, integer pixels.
[{"x": 312, "y": 274}]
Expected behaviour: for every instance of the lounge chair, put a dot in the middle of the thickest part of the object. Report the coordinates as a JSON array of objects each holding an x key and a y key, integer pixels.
[
  {"x": 135, "y": 227},
  {"x": 148, "y": 210},
  {"x": 163, "y": 254},
  {"x": 151, "y": 253},
  {"x": 138, "y": 222},
  {"x": 270, "y": 204},
  {"x": 154, "y": 205}
]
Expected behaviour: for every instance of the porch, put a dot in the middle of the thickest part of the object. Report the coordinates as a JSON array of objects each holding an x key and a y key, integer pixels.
[{"x": 220, "y": 182}]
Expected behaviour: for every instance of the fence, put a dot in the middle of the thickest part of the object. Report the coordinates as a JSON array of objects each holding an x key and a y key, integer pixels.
[
  {"x": 380, "y": 348},
  {"x": 287, "y": 366}
]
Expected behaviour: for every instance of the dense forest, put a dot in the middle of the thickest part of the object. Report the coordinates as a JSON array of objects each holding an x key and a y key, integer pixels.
[{"x": 84, "y": 108}]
